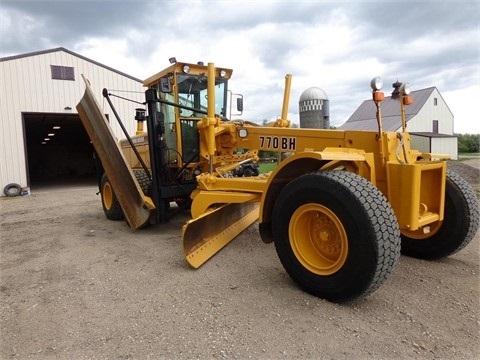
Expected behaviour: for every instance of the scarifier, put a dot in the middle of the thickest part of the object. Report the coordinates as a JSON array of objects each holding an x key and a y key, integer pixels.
[{"x": 339, "y": 206}]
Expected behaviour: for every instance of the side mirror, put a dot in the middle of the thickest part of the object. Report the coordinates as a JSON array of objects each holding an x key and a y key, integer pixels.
[
  {"x": 240, "y": 104},
  {"x": 165, "y": 86}
]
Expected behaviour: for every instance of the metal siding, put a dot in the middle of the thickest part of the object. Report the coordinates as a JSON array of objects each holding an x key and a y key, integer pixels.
[
  {"x": 27, "y": 86},
  {"x": 12, "y": 136},
  {"x": 6, "y": 113},
  {"x": 420, "y": 143},
  {"x": 44, "y": 83},
  {"x": 37, "y": 69},
  {"x": 435, "y": 145},
  {"x": 423, "y": 121},
  {"x": 445, "y": 146},
  {"x": 446, "y": 118}
]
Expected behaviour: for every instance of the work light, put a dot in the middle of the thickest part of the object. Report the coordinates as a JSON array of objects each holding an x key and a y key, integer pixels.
[{"x": 376, "y": 84}]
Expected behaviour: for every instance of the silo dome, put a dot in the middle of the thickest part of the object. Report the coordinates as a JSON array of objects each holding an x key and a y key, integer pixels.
[
  {"x": 314, "y": 109},
  {"x": 313, "y": 93}
]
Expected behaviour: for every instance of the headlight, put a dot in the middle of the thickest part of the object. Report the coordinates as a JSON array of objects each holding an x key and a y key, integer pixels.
[
  {"x": 186, "y": 69},
  {"x": 242, "y": 133},
  {"x": 405, "y": 89},
  {"x": 223, "y": 73},
  {"x": 376, "y": 84}
]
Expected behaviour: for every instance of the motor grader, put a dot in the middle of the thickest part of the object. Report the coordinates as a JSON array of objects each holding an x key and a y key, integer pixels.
[{"x": 339, "y": 208}]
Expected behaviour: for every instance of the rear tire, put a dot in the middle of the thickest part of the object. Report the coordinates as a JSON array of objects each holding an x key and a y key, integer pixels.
[
  {"x": 335, "y": 234},
  {"x": 459, "y": 225},
  {"x": 110, "y": 204},
  {"x": 144, "y": 181}
]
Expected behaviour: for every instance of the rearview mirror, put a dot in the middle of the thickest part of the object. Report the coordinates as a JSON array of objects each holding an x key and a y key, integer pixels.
[
  {"x": 165, "y": 86},
  {"x": 240, "y": 104}
]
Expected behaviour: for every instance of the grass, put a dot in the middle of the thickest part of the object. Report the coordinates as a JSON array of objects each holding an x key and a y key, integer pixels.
[
  {"x": 266, "y": 167},
  {"x": 468, "y": 156}
]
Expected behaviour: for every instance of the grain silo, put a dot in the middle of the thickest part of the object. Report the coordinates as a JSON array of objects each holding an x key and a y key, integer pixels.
[{"x": 314, "y": 109}]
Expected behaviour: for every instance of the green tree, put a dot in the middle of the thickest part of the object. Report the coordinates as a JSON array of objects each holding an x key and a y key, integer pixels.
[{"x": 468, "y": 143}]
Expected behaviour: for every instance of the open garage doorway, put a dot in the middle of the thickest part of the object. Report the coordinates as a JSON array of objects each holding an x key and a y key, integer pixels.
[{"x": 59, "y": 152}]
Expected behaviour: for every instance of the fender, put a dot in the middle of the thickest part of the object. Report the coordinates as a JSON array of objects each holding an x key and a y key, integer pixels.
[{"x": 306, "y": 162}]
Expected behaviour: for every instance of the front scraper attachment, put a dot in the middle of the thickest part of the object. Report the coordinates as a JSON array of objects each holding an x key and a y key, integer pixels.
[
  {"x": 204, "y": 236},
  {"x": 135, "y": 206}
]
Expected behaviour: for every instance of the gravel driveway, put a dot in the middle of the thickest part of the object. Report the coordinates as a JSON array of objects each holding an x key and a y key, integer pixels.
[{"x": 75, "y": 285}]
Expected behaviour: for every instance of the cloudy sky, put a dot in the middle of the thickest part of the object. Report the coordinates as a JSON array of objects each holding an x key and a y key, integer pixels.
[{"x": 338, "y": 46}]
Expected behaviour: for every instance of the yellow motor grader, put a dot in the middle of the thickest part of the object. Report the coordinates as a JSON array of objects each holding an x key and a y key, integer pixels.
[{"x": 339, "y": 208}]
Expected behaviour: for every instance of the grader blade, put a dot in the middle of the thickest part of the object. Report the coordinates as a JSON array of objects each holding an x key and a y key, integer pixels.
[
  {"x": 129, "y": 194},
  {"x": 206, "y": 235}
]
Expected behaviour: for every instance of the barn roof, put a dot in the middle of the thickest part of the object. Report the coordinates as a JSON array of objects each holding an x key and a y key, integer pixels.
[
  {"x": 433, "y": 135},
  {"x": 364, "y": 117},
  {"x": 9, "y": 58}
]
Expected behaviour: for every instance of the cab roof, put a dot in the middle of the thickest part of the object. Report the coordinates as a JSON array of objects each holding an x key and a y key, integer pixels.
[{"x": 177, "y": 67}]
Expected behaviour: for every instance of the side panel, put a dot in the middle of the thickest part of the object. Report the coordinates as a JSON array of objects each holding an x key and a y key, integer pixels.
[
  {"x": 417, "y": 193},
  {"x": 141, "y": 144}
]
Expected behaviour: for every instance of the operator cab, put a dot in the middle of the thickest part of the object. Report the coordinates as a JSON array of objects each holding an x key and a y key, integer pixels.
[{"x": 186, "y": 85}]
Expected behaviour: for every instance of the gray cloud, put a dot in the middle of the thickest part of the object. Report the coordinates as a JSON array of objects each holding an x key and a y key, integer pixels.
[
  {"x": 428, "y": 43},
  {"x": 33, "y": 25}
]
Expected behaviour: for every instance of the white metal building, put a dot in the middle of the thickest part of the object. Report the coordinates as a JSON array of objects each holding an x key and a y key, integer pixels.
[
  {"x": 429, "y": 121},
  {"x": 42, "y": 140}
]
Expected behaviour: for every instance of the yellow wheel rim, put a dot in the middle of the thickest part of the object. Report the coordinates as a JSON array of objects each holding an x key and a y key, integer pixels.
[
  {"x": 318, "y": 239},
  {"x": 107, "y": 195},
  {"x": 424, "y": 232}
]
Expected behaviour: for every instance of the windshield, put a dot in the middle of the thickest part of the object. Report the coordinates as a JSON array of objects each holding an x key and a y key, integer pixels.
[{"x": 192, "y": 92}]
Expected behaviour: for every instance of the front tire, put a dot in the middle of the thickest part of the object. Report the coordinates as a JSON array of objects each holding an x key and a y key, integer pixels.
[
  {"x": 110, "y": 204},
  {"x": 335, "y": 234},
  {"x": 459, "y": 225}
]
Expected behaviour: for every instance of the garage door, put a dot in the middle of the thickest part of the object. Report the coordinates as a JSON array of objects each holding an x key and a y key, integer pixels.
[{"x": 58, "y": 150}]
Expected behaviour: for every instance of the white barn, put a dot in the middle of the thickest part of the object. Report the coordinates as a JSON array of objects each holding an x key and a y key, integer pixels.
[
  {"x": 429, "y": 121},
  {"x": 42, "y": 140}
]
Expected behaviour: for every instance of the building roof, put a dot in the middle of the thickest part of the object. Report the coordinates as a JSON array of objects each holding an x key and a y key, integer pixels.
[
  {"x": 9, "y": 58},
  {"x": 364, "y": 117},
  {"x": 433, "y": 135}
]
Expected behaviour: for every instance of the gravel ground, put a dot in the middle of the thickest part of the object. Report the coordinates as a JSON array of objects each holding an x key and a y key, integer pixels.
[{"x": 76, "y": 286}]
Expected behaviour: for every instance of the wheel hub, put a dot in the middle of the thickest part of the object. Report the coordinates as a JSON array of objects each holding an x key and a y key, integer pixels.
[
  {"x": 318, "y": 239},
  {"x": 107, "y": 195}
]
